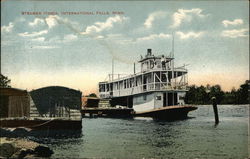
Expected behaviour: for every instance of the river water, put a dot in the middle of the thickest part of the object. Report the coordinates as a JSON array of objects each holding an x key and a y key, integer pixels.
[{"x": 196, "y": 137}]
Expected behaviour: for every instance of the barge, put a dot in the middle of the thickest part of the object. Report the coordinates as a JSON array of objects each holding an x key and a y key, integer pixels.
[{"x": 46, "y": 109}]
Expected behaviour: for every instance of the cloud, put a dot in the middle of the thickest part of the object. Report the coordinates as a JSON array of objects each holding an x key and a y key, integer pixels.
[
  {"x": 40, "y": 39},
  {"x": 154, "y": 36},
  {"x": 108, "y": 24},
  {"x": 115, "y": 35},
  {"x": 70, "y": 38},
  {"x": 33, "y": 34},
  {"x": 226, "y": 23},
  {"x": 44, "y": 47},
  {"x": 151, "y": 18},
  {"x": 185, "y": 15},
  {"x": 234, "y": 33},
  {"x": 121, "y": 39},
  {"x": 116, "y": 38},
  {"x": 7, "y": 29},
  {"x": 52, "y": 20},
  {"x": 36, "y": 22},
  {"x": 189, "y": 34},
  {"x": 100, "y": 37},
  {"x": 65, "y": 39}
]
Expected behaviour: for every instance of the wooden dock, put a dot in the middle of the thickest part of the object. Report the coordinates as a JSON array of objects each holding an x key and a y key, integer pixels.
[
  {"x": 42, "y": 123},
  {"x": 107, "y": 112}
]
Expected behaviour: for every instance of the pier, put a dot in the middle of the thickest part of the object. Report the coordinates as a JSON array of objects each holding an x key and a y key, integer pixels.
[{"x": 107, "y": 112}]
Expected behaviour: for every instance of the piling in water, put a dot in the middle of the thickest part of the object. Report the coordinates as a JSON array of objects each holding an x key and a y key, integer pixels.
[{"x": 216, "y": 116}]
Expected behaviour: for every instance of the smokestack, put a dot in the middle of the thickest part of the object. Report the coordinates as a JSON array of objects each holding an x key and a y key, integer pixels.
[
  {"x": 134, "y": 67},
  {"x": 149, "y": 53}
]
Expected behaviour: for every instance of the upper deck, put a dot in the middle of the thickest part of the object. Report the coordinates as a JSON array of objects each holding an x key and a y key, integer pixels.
[{"x": 157, "y": 74}]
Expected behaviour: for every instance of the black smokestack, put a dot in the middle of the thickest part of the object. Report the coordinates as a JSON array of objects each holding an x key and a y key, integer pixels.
[{"x": 149, "y": 53}]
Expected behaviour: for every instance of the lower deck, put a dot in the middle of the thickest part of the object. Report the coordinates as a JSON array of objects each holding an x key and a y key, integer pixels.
[
  {"x": 150, "y": 100},
  {"x": 169, "y": 113}
]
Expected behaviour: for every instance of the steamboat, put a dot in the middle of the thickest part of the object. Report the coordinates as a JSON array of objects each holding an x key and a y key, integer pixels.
[{"x": 157, "y": 90}]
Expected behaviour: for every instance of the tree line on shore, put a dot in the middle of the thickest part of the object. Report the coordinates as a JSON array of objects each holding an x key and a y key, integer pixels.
[
  {"x": 196, "y": 94},
  {"x": 203, "y": 94}
]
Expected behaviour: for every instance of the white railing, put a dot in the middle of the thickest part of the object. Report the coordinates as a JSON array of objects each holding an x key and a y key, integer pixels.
[
  {"x": 118, "y": 77},
  {"x": 157, "y": 86}
]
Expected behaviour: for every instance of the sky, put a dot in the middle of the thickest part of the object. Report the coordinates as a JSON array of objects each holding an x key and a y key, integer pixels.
[{"x": 72, "y": 44}]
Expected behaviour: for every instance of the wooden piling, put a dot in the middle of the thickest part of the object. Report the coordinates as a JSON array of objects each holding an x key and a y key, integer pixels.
[{"x": 216, "y": 116}]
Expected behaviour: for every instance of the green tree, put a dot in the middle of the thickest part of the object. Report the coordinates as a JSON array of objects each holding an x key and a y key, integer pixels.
[
  {"x": 4, "y": 81},
  {"x": 244, "y": 93},
  {"x": 197, "y": 95},
  {"x": 203, "y": 95},
  {"x": 215, "y": 91},
  {"x": 92, "y": 95},
  {"x": 190, "y": 95},
  {"x": 235, "y": 96},
  {"x": 228, "y": 98}
]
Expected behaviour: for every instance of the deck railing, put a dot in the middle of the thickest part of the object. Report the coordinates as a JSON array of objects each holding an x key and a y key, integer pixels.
[
  {"x": 157, "y": 86},
  {"x": 118, "y": 77}
]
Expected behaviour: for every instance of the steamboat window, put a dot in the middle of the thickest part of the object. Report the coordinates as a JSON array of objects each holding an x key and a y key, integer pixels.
[
  {"x": 157, "y": 77},
  {"x": 107, "y": 86},
  {"x": 120, "y": 85},
  {"x": 101, "y": 88},
  {"x": 181, "y": 97},
  {"x": 158, "y": 97},
  {"x": 111, "y": 86},
  {"x": 125, "y": 84}
]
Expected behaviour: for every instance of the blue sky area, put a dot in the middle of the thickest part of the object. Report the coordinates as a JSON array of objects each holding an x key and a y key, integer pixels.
[{"x": 76, "y": 50}]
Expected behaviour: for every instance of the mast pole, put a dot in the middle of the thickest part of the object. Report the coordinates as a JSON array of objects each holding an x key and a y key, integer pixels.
[
  {"x": 112, "y": 68},
  {"x": 134, "y": 67},
  {"x": 173, "y": 44},
  {"x": 173, "y": 64},
  {"x": 172, "y": 55}
]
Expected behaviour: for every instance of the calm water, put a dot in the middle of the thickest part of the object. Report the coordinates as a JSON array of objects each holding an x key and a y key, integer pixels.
[{"x": 196, "y": 137}]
